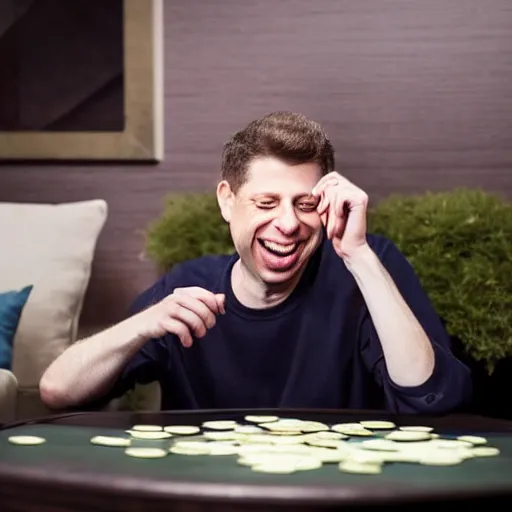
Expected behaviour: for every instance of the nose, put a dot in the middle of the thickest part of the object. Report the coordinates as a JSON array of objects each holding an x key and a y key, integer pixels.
[{"x": 287, "y": 222}]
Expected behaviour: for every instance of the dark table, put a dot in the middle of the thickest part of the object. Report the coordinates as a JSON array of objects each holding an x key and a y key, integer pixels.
[{"x": 69, "y": 473}]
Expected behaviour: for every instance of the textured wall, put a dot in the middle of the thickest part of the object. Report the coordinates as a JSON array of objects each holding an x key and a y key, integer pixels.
[{"x": 415, "y": 95}]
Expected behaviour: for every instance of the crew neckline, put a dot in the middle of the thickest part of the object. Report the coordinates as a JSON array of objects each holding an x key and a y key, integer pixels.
[{"x": 289, "y": 304}]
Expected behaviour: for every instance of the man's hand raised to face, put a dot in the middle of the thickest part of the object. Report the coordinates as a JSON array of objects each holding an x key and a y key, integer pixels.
[
  {"x": 187, "y": 313},
  {"x": 342, "y": 207}
]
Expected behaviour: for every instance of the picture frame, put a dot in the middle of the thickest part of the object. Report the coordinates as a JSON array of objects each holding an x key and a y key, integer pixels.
[{"x": 140, "y": 138}]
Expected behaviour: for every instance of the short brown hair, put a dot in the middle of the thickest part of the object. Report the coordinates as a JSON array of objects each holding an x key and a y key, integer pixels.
[{"x": 288, "y": 136}]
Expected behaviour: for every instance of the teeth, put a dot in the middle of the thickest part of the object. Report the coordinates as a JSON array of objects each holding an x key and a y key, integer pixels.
[{"x": 283, "y": 249}]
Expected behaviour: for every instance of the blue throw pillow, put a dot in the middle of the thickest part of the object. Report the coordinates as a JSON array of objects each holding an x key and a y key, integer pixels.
[{"x": 11, "y": 306}]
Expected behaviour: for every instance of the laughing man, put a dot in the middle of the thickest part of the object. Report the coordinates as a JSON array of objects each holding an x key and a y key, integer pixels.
[{"x": 311, "y": 311}]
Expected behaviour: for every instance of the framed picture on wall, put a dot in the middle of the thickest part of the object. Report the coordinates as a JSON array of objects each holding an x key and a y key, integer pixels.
[{"x": 81, "y": 80}]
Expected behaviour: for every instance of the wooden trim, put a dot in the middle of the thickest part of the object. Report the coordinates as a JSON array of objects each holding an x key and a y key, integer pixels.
[{"x": 142, "y": 138}]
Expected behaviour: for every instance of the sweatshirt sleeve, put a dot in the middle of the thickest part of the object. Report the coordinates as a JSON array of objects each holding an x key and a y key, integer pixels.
[{"x": 450, "y": 385}]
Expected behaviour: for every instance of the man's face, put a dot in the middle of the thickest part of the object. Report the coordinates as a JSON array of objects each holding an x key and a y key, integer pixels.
[{"x": 273, "y": 219}]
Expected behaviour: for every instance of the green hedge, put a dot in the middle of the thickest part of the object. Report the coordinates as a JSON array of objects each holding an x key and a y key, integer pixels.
[
  {"x": 459, "y": 242},
  {"x": 190, "y": 226}
]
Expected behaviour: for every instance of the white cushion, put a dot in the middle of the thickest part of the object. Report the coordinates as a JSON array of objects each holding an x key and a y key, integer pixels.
[{"x": 52, "y": 248}]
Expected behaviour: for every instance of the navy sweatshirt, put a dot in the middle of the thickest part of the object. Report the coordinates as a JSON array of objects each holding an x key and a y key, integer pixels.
[{"x": 318, "y": 349}]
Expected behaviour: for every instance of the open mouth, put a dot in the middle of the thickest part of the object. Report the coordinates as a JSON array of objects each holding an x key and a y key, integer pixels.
[{"x": 279, "y": 249}]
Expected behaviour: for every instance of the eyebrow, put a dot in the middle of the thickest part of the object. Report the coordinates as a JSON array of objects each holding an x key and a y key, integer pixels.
[{"x": 274, "y": 195}]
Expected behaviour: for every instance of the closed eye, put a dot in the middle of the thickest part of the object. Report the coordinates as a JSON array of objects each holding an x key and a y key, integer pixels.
[
  {"x": 266, "y": 204},
  {"x": 308, "y": 207}
]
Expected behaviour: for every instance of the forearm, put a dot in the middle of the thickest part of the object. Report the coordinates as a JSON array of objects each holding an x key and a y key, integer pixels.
[
  {"x": 88, "y": 368},
  {"x": 407, "y": 350}
]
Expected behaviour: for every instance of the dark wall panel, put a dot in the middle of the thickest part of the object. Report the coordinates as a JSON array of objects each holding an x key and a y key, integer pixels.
[{"x": 415, "y": 95}]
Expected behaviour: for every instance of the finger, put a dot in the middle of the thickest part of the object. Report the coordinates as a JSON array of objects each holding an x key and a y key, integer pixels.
[
  {"x": 323, "y": 184},
  {"x": 192, "y": 320},
  {"x": 327, "y": 222},
  {"x": 323, "y": 204},
  {"x": 339, "y": 206},
  {"x": 337, "y": 216},
  {"x": 339, "y": 227},
  {"x": 324, "y": 219},
  {"x": 173, "y": 326},
  {"x": 221, "y": 301},
  {"x": 331, "y": 224},
  {"x": 327, "y": 211},
  {"x": 199, "y": 308},
  {"x": 201, "y": 294},
  {"x": 332, "y": 176},
  {"x": 329, "y": 196}
]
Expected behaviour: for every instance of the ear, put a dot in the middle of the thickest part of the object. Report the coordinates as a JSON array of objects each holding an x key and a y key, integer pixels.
[{"x": 225, "y": 198}]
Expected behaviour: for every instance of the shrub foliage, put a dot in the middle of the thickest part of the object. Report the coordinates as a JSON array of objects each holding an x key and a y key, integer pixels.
[
  {"x": 190, "y": 226},
  {"x": 460, "y": 244}
]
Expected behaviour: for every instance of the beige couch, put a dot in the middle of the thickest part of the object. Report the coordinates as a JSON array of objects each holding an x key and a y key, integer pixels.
[{"x": 52, "y": 248}]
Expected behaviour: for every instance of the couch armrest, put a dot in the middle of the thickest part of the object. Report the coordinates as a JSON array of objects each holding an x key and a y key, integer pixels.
[{"x": 8, "y": 396}]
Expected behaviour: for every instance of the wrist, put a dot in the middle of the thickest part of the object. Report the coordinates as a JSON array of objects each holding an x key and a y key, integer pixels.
[
  {"x": 133, "y": 330},
  {"x": 360, "y": 259}
]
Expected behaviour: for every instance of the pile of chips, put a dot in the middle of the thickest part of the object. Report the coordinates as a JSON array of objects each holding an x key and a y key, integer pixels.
[{"x": 271, "y": 444}]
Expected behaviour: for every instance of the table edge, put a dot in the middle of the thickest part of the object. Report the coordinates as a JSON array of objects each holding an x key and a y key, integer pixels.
[{"x": 130, "y": 486}]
